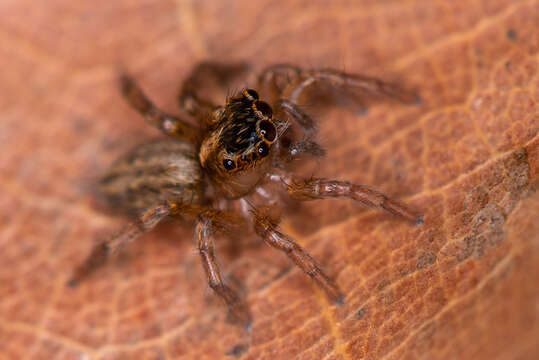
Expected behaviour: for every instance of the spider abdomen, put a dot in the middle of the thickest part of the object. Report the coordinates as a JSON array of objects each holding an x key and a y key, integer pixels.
[{"x": 152, "y": 173}]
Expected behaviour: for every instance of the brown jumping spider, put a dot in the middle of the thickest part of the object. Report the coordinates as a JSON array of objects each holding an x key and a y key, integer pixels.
[{"x": 236, "y": 152}]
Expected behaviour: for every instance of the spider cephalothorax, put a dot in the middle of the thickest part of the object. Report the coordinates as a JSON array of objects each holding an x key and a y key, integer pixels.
[
  {"x": 238, "y": 143},
  {"x": 234, "y": 153}
]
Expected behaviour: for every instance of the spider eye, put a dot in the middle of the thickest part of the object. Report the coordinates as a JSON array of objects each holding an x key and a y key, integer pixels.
[
  {"x": 264, "y": 108},
  {"x": 267, "y": 130},
  {"x": 229, "y": 164},
  {"x": 250, "y": 94},
  {"x": 262, "y": 149}
]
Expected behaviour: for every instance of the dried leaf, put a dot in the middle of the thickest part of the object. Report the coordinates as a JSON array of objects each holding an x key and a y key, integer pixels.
[{"x": 462, "y": 286}]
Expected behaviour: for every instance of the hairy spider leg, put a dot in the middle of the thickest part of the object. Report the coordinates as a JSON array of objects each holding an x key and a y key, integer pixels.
[
  {"x": 306, "y": 145},
  {"x": 270, "y": 233},
  {"x": 238, "y": 312},
  {"x": 307, "y": 124},
  {"x": 204, "y": 226},
  {"x": 317, "y": 188},
  {"x": 274, "y": 79},
  {"x": 295, "y": 81},
  {"x": 341, "y": 79},
  {"x": 268, "y": 79},
  {"x": 169, "y": 124},
  {"x": 129, "y": 233}
]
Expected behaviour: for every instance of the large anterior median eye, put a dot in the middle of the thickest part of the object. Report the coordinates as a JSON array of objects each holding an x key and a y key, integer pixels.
[
  {"x": 267, "y": 130},
  {"x": 264, "y": 108}
]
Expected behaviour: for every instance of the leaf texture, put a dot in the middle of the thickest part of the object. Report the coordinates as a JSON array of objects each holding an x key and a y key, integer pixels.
[{"x": 464, "y": 285}]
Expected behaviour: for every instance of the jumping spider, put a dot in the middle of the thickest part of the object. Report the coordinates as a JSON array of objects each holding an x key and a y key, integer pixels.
[{"x": 234, "y": 154}]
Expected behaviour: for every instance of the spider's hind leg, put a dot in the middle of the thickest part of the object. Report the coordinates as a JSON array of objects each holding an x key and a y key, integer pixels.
[{"x": 102, "y": 251}]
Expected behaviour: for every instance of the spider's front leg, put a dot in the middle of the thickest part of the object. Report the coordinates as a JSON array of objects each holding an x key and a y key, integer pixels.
[
  {"x": 306, "y": 123},
  {"x": 315, "y": 188},
  {"x": 300, "y": 147},
  {"x": 169, "y": 124},
  {"x": 112, "y": 245},
  {"x": 296, "y": 81},
  {"x": 270, "y": 233},
  {"x": 274, "y": 79},
  {"x": 345, "y": 80},
  {"x": 204, "y": 241}
]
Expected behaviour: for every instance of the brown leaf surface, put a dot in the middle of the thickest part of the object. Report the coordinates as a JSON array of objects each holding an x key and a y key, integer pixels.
[{"x": 462, "y": 286}]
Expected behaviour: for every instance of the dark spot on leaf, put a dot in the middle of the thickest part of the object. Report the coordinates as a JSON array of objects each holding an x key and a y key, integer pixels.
[
  {"x": 511, "y": 35},
  {"x": 383, "y": 284},
  {"x": 426, "y": 259},
  {"x": 479, "y": 57},
  {"x": 481, "y": 245},
  {"x": 467, "y": 249},
  {"x": 427, "y": 331},
  {"x": 363, "y": 111},
  {"x": 80, "y": 124},
  {"x": 518, "y": 173},
  {"x": 238, "y": 350},
  {"x": 361, "y": 313},
  {"x": 489, "y": 218},
  {"x": 479, "y": 196},
  {"x": 387, "y": 297}
]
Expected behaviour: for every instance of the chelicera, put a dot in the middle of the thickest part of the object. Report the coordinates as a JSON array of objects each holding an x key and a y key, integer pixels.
[{"x": 215, "y": 172}]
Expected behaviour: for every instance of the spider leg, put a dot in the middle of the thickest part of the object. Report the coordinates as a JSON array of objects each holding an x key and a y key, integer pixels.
[
  {"x": 306, "y": 123},
  {"x": 238, "y": 312},
  {"x": 274, "y": 80},
  {"x": 271, "y": 235},
  {"x": 300, "y": 147},
  {"x": 289, "y": 82},
  {"x": 271, "y": 73},
  {"x": 112, "y": 245},
  {"x": 309, "y": 128},
  {"x": 204, "y": 72},
  {"x": 341, "y": 79},
  {"x": 315, "y": 188},
  {"x": 169, "y": 124}
]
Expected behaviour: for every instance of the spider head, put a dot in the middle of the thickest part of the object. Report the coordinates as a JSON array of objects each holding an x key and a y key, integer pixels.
[
  {"x": 237, "y": 149},
  {"x": 247, "y": 133}
]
